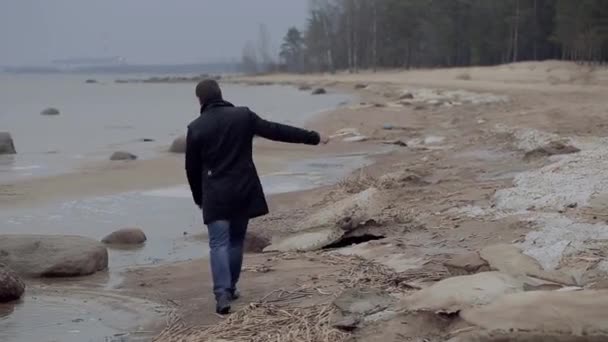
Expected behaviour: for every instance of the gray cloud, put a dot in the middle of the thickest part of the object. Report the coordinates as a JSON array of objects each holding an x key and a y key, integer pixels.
[{"x": 142, "y": 31}]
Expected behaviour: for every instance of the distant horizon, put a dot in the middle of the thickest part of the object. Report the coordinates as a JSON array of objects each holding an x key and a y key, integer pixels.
[{"x": 127, "y": 68}]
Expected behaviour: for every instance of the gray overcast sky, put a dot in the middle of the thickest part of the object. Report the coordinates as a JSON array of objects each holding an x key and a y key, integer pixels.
[{"x": 142, "y": 31}]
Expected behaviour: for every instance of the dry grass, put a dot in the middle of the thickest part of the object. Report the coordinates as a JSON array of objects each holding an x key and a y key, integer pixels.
[{"x": 276, "y": 317}]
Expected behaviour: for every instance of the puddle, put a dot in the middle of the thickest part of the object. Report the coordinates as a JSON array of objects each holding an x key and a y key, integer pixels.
[{"x": 93, "y": 317}]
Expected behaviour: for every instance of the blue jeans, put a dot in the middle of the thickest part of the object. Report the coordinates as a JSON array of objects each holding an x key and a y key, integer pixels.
[{"x": 226, "y": 240}]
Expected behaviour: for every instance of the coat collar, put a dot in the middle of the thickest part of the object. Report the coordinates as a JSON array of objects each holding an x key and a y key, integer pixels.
[{"x": 214, "y": 104}]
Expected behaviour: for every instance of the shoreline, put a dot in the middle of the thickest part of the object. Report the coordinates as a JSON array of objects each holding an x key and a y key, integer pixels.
[{"x": 440, "y": 198}]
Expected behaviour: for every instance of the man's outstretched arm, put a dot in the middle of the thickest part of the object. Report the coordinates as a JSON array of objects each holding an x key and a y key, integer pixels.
[
  {"x": 284, "y": 133},
  {"x": 194, "y": 168}
]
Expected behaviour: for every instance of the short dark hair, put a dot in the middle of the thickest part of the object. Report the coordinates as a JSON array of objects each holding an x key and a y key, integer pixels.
[{"x": 208, "y": 90}]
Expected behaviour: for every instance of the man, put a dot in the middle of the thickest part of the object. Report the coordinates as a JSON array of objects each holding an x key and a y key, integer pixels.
[{"x": 224, "y": 180}]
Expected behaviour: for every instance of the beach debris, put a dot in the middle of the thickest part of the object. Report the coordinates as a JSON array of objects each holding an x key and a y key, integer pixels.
[
  {"x": 257, "y": 322},
  {"x": 122, "y": 155},
  {"x": 319, "y": 91},
  {"x": 356, "y": 138},
  {"x": 178, "y": 145},
  {"x": 50, "y": 111},
  {"x": 551, "y": 149},
  {"x": 360, "y": 86},
  {"x": 52, "y": 255},
  {"x": 345, "y": 132},
  {"x": 125, "y": 236},
  {"x": 11, "y": 285},
  {"x": 7, "y": 146},
  {"x": 395, "y": 142}
]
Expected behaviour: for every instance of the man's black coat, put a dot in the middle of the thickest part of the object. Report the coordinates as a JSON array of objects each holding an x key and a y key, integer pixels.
[{"x": 219, "y": 163}]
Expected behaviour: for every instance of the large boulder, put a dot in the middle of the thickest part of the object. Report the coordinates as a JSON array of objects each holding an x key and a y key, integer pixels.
[
  {"x": 178, "y": 145},
  {"x": 126, "y": 236},
  {"x": 50, "y": 111},
  {"x": 539, "y": 316},
  {"x": 331, "y": 223},
  {"x": 122, "y": 155},
  {"x": 454, "y": 294},
  {"x": 11, "y": 286},
  {"x": 52, "y": 255},
  {"x": 6, "y": 143}
]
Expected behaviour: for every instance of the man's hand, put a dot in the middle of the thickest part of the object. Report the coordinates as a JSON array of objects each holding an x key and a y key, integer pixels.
[{"x": 324, "y": 139}]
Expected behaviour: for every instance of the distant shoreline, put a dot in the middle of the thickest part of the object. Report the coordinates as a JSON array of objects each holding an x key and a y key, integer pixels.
[{"x": 155, "y": 69}]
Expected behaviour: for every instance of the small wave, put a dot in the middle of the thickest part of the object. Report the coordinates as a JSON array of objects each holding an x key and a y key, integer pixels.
[{"x": 26, "y": 168}]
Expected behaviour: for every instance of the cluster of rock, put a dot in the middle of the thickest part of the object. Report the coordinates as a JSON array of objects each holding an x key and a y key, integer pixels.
[
  {"x": 171, "y": 79},
  {"x": 53, "y": 256},
  {"x": 177, "y": 146},
  {"x": 497, "y": 294},
  {"x": 420, "y": 98}
]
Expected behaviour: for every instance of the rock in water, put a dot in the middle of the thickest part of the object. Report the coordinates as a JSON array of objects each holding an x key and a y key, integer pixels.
[
  {"x": 122, "y": 155},
  {"x": 305, "y": 87},
  {"x": 178, "y": 145},
  {"x": 319, "y": 91},
  {"x": 52, "y": 255},
  {"x": 90, "y": 81},
  {"x": 50, "y": 111},
  {"x": 11, "y": 286},
  {"x": 6, "y": 143},
  {"x": 126, "y": 236}
]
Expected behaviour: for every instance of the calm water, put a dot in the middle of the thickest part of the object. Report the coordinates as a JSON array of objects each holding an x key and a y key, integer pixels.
[{"x": 98, "y": 119}]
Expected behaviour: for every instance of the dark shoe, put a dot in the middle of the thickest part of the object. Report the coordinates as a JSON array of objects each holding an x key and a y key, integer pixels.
[
  {"x": 235, "y": 294},
  {"x": 223, "y": 304}
]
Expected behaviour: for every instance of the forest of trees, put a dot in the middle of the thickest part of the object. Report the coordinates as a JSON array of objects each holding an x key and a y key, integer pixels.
[{"x": 370, "y": 34}]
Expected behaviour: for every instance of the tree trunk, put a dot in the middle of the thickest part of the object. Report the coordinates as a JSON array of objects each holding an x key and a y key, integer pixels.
[
  {"x": 374, "y": 36},
  {"x": 516, "y": 32}
]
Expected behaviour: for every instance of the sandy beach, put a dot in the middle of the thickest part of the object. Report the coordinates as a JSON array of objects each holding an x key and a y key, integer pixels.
[{"x": 459, "y": 164}]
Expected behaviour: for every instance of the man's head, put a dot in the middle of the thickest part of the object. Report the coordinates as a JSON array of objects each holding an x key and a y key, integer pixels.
[{"x": 208, "y": 91}]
